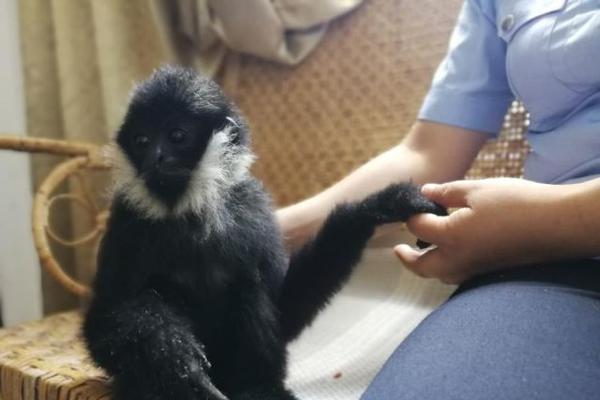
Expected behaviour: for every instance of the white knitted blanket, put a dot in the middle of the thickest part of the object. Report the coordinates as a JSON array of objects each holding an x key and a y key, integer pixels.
[{"x": 345, "y": 348}]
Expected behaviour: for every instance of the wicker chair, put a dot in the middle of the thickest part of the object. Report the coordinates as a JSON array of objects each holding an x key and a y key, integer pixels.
[{"x": 312, "y": 124}]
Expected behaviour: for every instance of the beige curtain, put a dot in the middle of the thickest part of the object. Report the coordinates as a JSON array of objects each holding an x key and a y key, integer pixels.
[
  {"x": 284, "y": 31},
  {"x": 80, "y": 60}
]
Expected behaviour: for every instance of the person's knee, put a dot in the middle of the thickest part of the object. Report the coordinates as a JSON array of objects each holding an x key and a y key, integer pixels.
[{"x": 504, "y": 338}]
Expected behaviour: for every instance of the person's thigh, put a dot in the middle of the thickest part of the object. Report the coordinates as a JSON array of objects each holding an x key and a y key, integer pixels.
[{"x": 504, "y": 338}]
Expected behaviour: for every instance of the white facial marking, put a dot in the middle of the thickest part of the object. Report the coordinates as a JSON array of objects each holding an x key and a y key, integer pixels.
[
  {"x": 132, "y": 187},
  {"x": 222, "y": 165}
]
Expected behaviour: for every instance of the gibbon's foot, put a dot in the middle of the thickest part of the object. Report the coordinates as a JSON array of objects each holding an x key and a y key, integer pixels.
[
  {"x": 171, "y": 364},
  {"x": 203, "y": 389},
  {"x": 266, "y": 392},
  {"x": 398, "y": 202}
]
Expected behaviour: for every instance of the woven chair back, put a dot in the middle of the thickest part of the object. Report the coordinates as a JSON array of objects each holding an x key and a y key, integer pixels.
[{"x": 355, "y": 96}]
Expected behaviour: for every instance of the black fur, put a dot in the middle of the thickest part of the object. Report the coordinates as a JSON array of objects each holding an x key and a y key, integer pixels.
[
  {"x": 181, "y": 311},
  {"x": 322, "y": 266}
]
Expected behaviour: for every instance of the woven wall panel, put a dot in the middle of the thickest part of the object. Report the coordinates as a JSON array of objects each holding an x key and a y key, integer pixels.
[{"x": 354, "y": 97}]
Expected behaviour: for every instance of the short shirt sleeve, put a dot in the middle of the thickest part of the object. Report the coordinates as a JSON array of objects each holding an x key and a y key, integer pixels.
[{"x": 470, "y": 88}]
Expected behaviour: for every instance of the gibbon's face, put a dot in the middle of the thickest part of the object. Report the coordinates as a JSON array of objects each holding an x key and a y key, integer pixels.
[
  {"x": 171, "y": 121},
  {"x": 165, "y": 146}
]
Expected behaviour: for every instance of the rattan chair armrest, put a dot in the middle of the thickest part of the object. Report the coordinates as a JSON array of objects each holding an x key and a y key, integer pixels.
[{"x": 82, "y": 156}]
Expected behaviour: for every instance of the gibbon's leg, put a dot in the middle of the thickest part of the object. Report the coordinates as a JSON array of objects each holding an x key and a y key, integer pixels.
[
  {"x": 319, "y": 269},
  {"x": 256, "y": 357},
  {"x": 149, "y": 350}
]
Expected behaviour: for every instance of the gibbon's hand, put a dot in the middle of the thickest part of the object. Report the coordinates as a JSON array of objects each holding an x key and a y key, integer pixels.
[{"x": 498, "y": 223}]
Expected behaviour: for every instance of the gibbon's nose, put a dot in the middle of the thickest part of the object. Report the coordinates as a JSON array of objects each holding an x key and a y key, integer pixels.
[
  {"x": 159, "y": 159},
  {"x": 153, "y": 160}
]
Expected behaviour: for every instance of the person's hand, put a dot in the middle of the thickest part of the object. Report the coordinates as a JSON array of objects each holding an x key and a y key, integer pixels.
[{"x": 499, "y": 223}]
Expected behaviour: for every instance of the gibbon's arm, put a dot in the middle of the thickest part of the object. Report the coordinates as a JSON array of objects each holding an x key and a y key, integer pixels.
[
  {"x": 319, "y": 269},
  {"x": 148, "y": 349},
  {"x": 430, "y": 152}
]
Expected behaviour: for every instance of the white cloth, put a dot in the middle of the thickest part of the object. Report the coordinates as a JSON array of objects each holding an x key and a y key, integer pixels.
[
  {"x": 284, "y": 31},
  {"x": 347, "y": 345}
]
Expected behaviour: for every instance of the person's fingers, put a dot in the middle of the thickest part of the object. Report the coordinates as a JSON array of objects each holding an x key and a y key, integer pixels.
[
  {"x": 427, "y": 263},
  {"x": 451, "y": 194},
  {"x": 429, "y": 227},
  {"x": 431, "y": 263},
  {"x": 409, "y": 256}
]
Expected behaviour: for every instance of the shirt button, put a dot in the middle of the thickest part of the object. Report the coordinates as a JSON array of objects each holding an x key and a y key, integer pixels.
[{"x": 508, "y": 22}]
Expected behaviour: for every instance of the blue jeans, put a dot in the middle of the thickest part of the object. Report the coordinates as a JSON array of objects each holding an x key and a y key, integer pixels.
[{"x": 528, "y": 333}]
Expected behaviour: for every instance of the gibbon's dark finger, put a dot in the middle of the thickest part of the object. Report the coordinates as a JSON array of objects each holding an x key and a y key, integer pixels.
[
  {"x": 421, "y": 244},
  {"x": 454, "y": 279},
  {"x": 451, "y": 194}
]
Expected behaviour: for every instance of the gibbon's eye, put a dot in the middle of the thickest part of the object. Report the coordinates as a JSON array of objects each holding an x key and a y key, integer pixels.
[
  {"x": 141, "y": 140},
  {"x": 177, "y": 136}
]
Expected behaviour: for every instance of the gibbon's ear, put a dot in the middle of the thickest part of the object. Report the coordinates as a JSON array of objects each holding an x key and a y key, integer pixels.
[{"x": 236, "y": 129}]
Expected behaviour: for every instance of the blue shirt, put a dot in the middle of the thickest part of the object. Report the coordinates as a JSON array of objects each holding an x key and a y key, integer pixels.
[{"x": 545, "y": 53}]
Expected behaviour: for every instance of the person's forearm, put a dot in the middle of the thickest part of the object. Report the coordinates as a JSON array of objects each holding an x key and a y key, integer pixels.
[
  {"x": 304, "y": 218},
  {"x": 429, "y": 153}
]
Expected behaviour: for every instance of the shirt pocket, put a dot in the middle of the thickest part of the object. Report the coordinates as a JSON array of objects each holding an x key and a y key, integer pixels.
[
  {"x": 575, "y": 45},
  {"x": 512, "y": 15}
]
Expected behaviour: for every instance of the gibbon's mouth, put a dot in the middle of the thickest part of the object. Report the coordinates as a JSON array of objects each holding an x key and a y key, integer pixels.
[
  {"x": 171, "y": 172},
  {"x": 165, "y": 172},
  {"x": 167, "y": 182},
  {"x": 168, "y": 188},
  {"x": 168, "y": 178}
]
